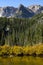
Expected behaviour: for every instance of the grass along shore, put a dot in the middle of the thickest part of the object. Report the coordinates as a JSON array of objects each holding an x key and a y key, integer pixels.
[{"x": 36, "y": 50}]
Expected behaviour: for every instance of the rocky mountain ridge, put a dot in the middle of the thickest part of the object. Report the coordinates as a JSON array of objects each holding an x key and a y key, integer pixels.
[{"x": 21, "y": 11}]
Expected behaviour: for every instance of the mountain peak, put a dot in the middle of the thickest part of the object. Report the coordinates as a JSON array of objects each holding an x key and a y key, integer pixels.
[
  {"x": 21, "y": 5},
  {"x": 34, "y": 8}
]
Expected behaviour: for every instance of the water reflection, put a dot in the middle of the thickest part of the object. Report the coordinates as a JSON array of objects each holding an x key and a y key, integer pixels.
[{"x": 21, "y": 61}]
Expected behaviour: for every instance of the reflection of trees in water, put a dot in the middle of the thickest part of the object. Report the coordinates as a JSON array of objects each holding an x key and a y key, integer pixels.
[{"x": 21, "y": 61}]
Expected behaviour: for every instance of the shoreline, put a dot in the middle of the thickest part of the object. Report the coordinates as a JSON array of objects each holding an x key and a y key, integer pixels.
[{"x": 19, "y": 55}]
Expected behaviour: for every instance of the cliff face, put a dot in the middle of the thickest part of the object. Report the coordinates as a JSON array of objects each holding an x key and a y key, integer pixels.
[{"x": 23, "y": 12}]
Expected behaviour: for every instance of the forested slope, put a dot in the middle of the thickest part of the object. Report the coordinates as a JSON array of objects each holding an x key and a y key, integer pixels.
[{"x": 14, "y": 31}]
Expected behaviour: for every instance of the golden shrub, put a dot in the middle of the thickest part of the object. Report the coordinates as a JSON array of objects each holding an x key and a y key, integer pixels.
[
  {"x": 17, "y": 50},
  {"x": 37, "y": 49}
]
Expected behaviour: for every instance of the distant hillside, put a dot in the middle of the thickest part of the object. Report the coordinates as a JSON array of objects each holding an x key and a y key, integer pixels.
[{"x": 14, "y": 31}]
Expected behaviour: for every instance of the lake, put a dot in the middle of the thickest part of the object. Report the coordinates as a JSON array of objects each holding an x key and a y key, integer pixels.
[{"x": 21, "y": 60}]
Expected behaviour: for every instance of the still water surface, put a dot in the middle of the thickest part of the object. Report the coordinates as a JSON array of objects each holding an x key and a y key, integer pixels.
[{"x": 21, "y": 61}]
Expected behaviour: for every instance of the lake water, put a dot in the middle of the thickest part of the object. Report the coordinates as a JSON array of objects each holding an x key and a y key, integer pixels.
[{"x": 21, "y": 61}]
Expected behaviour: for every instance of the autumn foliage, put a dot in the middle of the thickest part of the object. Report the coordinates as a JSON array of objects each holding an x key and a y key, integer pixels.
[{"x": 24, "y": 50}]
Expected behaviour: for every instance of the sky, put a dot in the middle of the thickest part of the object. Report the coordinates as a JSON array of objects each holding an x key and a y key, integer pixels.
[{"x": 16, "y": 3}]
